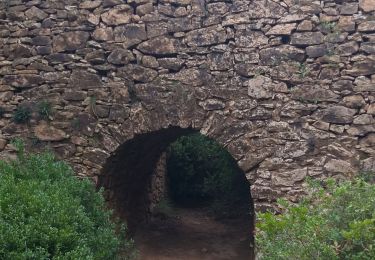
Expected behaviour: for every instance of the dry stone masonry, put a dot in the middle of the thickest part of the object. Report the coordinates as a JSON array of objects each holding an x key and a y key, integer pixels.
[{"x": 287, "y": 86}]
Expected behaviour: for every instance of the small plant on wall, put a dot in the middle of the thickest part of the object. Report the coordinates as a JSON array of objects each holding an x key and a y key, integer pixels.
[
  {"x": 303, "y": 70},
  {"x": 22, "y": 114},
  {"x": 44, "y": 109}
]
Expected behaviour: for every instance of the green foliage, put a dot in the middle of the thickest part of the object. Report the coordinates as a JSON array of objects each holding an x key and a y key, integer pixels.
[
  {"x": 337, "y": 222},
  {"x": 48, "y": 213},
  {"x": 200, "y": 169},
  {"x": 22, "y": 114},
  {"x": 44, "y": 109}
]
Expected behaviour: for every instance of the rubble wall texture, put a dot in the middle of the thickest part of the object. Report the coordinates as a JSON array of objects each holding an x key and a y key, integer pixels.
[{"x": 287, "y": 86}]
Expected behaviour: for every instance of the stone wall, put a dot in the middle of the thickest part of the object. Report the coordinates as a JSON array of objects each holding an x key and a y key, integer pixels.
[
  {"x": 287, "y": 86},
  {"x": 157, "y": 190}
]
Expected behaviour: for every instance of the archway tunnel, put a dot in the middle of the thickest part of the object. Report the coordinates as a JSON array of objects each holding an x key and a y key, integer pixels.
[{"x": 138, "y": 176}]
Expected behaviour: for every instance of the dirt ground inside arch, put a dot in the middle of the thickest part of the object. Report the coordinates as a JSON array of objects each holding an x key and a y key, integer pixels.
[{"x": 193, "y": 234}]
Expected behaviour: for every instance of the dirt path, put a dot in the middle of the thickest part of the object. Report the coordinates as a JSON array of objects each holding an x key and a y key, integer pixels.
[{"x": 193, "y": 235}]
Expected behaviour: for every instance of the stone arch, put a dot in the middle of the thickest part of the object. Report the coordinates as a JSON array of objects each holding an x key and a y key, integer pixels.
[{"x": 128, "y": 173}]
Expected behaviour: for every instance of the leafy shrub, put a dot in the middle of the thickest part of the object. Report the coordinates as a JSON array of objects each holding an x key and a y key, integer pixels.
[
  {"x": 47, "y": 213},
  {"x": 44, "y": 109},
  {"x": 337, "y": 222},
  {"x": 200, "y": 169},
  {"x": 22, "y": 114}
]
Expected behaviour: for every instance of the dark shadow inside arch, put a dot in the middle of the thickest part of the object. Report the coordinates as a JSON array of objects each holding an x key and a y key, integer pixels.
[{"x": 134, "y": 192}]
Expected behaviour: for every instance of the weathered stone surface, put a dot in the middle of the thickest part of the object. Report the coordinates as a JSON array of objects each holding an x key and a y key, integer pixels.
[
  {"x": 349, "y": 8},
  {"x": 206, "y": 36},
  {"x": 120, "y": 93},
  {"x": 305, "y": 26},
  {"x": 362, "y": 84},
  {"x": 371, "y": 109},
  {"x": 316, "y": 51},
  {"x": 338, "y": 115},
  {"x": 3, "y": 143},
  {"x": 70, "y": 41},
  {"x": 355, "y": 101},
  {"x": 81, "y": 79},
  {"x": 368, "y": 165},
  {"x": 367, "y": 5},
  {"x": 130, "y": 34},
  {"x": 120, "y": 14},
  {"x": 103, "y": 34},
  {"x": 6, "y": 96},
  {"x": 140, "y": 73},
  {"x": 250, "y": 39},
  {"x": 292, "y": 18},
  {"x": 367, "y": 26},
  {"x": 111, "y": 3},
  {"x": 307, "y": 38},
  {"x": 339, "y": 166},
  {"x": 45, "y": 132},
  {"x": 150, "y": 62},
  {"x": 75, "y": 95},
  {"x": 34, "y": 13},
  {"x": 364, "y": 120},
  {"x": 121, "y": 57},
  {"x": 288, "y": 178},
  {"x": 43, "y": 50},
  {"x": 361, "y": 130},
  {"x": 212, "y": 104},
  {"x": 346, "y": 24},
  {"x": 282, "y": 29},
  {"x": 313, "y": 93},
  {"x": 347, "y": 49},
  {"x": 260, "y": 87},
  {"x": 23, "y": 81},
  {"x": 160, "y": 46},
  {"x": 144, "y": 9},
  {"x": 362, "y": 68},
  {"x": 41, "y": 40},
  {"x": 95, "y": 57},
  {"x": 174, "y": 64},
  {"x": 368, "y": 47},
  {"x": 90, "y": 4},
  {"x": 19, "y": 51},
  {"x": 272, "y": 56},
  {"x": 55, "y": 58}
]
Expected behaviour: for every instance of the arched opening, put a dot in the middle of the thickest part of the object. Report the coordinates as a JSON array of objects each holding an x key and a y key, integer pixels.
[{"x": 138, "y": 181}]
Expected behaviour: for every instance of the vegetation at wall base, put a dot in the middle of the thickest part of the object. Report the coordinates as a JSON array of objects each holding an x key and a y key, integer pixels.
[
  {"x": 334, "y": 222},
  {"x": 48, "y": 213}
]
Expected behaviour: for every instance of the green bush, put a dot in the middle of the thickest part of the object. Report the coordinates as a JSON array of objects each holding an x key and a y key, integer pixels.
[
  {"x": 48, "y": 213},
  {"x": 337, "y": 222},
  {"x": 200, "y": 169}
]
